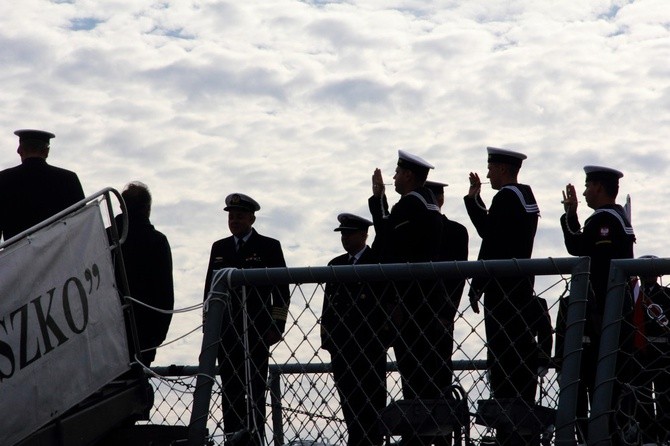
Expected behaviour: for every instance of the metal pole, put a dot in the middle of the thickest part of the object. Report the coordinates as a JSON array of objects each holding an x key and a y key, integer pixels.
[
  {"x": 275, "y": 401},
  {"x": 572, "y": 354},
  {"x": 599, "y": 426},
  {"x": 218, "y": 296}
]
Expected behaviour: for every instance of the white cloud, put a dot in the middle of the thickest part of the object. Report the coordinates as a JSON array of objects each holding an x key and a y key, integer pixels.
[{"x": 295, "y": 103}]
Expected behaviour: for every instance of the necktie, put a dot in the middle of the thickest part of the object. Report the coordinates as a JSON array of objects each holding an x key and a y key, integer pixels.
[
  {"x": 352, "y": 260},
  {"x": 240, "y": 244}
]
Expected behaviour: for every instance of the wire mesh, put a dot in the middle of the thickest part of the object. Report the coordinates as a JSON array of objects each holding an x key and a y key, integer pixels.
[{"x": 302, "y": 404}]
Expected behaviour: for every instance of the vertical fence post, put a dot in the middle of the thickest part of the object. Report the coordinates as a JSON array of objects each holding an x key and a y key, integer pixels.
[
  {"x": 572, "y": 353},
  {"x": 197, "y": 429},
  {"x": 275, "y": 401},
  {"x": 606, "y": 373}
]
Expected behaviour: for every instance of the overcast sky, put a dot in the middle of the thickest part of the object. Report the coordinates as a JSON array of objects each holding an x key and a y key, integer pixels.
[{"x": 297, "y": 102}]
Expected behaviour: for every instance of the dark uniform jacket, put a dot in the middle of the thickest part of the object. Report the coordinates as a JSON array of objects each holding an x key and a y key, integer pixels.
[
  {"x": 411, "y": 232},
  {"x": 148, "y": 262},
  {"x": 507, "y": 229},
  {"x": 267, "y": 306},
  {"x": 32, "y": 192},
  {"x": 607, "y": 234},
  {"x": 352, "y": 314},
  {"x": 454, "y": 246}
]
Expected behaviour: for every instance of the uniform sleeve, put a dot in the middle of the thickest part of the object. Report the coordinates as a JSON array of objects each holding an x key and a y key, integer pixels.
[
  {"x": 327, "y": 315},
  {"x": 378, "y": 207},
  {"x": 477, "y": 212},
  {"x": 280, "y": 294},
  {"x": 75, "y": 192},
  {"x": 208, "y": 277},
  {"x": 574, "y": 239}
]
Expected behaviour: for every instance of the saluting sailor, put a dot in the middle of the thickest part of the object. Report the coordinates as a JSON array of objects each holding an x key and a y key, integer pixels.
[
  {"x": 507, "y": 230},
  {"x": 410, "y": 232},
  {"x": 607, "y": 234}
]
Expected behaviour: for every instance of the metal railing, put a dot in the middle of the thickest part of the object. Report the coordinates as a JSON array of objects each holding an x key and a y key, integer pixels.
[{"x": 227, "y": 281}]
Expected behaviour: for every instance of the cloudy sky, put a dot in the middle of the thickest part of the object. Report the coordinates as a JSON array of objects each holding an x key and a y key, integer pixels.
[{"x": 297, "y": 102}]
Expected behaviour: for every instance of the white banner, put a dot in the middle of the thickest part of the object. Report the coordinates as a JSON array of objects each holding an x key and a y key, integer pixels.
[{"x": 62, "y": 333}]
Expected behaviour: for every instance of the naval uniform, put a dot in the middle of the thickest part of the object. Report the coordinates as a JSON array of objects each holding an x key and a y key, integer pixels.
[
  {"x": 32, "y": 192},
  {"x": 454, "y": 246},
  {"x": 607, "y": 234},
  {"x": 411, "y": 232},
  {"x": 507, "y": 230},
  {"x": 267, "y": 309},
  {"x": 354, "y": 332}
]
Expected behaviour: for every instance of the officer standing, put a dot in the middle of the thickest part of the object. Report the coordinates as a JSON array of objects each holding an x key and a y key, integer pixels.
[
  {"x": 34, "y": 191},
  {"x": 507, "y": 230},
  {"x": 353, "y": 331},
  {"x": 607, "y": 234},
  {"x": 266, "y": 311}
]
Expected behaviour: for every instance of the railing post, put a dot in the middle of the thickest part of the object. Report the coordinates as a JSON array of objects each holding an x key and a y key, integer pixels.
[
  {"x": 606, "y": 373},
  {"x": 197, "y": 429},
  {"x": 275, "y": 402},
  {"x": 572, "y": 354}
]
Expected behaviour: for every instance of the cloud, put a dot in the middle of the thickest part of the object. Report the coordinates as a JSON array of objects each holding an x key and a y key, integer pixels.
[{"x": 296, "y": 103}]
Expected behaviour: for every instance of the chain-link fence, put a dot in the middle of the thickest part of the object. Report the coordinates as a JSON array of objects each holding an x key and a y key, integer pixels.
[
  {"x": 307, "y": 395},
  {"x": 303, "y": 403}
]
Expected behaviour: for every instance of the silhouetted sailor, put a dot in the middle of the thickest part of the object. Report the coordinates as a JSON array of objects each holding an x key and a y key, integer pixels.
[
  {"x": 507, "y": 230},
  {"x": 411, "y": 232},
  {"x": 607, "y": 234},
  {"x": 34, "y": 191}
]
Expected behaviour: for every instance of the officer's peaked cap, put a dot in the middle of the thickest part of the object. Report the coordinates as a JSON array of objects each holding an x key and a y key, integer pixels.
[
  {"x": 351, "y": 222},
  {"x": 241, "y": 202}
]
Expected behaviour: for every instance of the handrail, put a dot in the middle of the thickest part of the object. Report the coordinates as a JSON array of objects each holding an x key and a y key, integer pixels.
[
  {"x": 80, "y": 204},
  {"x": 402, "y": 271}
]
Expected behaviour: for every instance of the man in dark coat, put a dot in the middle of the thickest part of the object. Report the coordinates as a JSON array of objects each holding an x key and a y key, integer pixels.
[
  {"x": 607, "y": 234},
  {"x": 34, "y": 191},
  {"x": 411, "y": 232},
  {"x": 353, "y": 331},
  {"x": 148, "y": 264},
  {"x": 508, "y": 231},
  {"x": 266, "y": 311}
]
